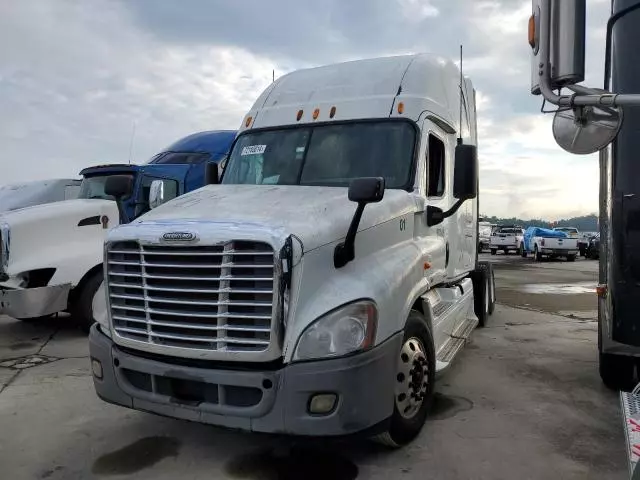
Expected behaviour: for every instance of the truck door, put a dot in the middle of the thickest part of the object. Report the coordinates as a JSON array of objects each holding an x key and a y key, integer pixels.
[
  {"x": 433, "y": 182},
  {"x": 171, "y": 175}
]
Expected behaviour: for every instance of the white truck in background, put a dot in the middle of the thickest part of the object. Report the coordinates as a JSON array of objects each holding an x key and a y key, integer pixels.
[
  {"x": 27, "y": 194},
  {"x": 484, "y": 235},
  {"x": 505, "y": 238},
  {"x": 573, "y": 232},
  {"x": 320, "y": 288},
  {"x": 550, "y": 243}
]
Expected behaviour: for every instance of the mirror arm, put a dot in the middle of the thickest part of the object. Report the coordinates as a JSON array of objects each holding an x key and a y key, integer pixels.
[
  {"x": 345, "y": 251},
  {"x": 453, "y": 209},
  {"x": 124, "y": 218}
]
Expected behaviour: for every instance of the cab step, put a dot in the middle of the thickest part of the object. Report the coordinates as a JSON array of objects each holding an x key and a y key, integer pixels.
[
  {"x": 455, "y": 343},
  {"x": 630, "y": 402}
]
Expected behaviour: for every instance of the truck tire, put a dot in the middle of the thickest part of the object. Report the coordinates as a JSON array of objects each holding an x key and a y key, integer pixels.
[
  {"x": 571, "y": 258},
  {"x": 81, "y": 308},
  {"x": 523, "y": 252},
  {"x": 617, "y": 371},
  {"x": 481, "y": 292},
  {"x": 492, "y": 284},
  {"x": 415, "y": 384},
  {"x": 583, "y": 251},
  {"x": 494, "y": 251},
  {"x": 537, "y": 255}
]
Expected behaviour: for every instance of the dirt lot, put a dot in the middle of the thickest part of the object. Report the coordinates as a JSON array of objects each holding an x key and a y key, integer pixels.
[{"x": 523, "y": 401}]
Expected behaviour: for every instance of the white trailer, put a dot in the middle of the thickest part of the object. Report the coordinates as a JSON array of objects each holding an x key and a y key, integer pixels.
[{"x": 320, "y": 288}]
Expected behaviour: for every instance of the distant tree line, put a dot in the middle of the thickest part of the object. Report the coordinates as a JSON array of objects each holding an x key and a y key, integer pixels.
[{"x": 587, "y": 223}]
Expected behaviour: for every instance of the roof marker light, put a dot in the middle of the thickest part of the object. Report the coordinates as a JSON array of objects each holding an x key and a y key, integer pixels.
[
  {"x": 401, "y": 108},
  {"x": 332, "y": 112},
  {"x": 299, "y": 116},
  {"x": 316, "y": 112},
  {"x": 248, "y": 121}
]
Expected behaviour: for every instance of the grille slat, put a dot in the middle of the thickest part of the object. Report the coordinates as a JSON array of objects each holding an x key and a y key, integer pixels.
[
  {"x": 194, "y": 297},
  {"x": 195, "y": 326},
  {"x": 191, "y": 302},
  {"x": 193, "y": 290}
]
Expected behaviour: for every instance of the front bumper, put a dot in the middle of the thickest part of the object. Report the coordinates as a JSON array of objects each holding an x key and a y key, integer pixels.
[
  {"x": 270, "y": 401},
  {"x": 34, "y": 302}
]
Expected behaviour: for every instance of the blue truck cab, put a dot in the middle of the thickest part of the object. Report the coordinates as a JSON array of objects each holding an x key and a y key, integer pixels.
[{"x": 181, "y": 167}]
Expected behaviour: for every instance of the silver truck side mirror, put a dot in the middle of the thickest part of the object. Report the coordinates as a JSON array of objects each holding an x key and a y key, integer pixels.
[
  {"x": 156, "y": 194},
  {"x": 563, "y": 23}
]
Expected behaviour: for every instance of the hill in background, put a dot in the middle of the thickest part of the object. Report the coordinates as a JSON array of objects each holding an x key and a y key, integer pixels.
[{"x": 587, "y": 223}]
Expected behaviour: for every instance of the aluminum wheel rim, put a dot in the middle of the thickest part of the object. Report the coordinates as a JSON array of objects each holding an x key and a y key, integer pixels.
[{"x": 412, "y": 378}]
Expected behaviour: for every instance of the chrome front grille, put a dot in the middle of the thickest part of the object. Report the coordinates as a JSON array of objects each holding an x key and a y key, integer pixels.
[{"x": 217, "y": 297}]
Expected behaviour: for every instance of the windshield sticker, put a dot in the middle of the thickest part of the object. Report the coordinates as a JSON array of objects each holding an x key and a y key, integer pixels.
[{"x": 253, "y": 150}]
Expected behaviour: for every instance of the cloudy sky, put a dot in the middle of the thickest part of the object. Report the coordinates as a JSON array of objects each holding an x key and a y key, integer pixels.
[{"x": 76, "y": 76}]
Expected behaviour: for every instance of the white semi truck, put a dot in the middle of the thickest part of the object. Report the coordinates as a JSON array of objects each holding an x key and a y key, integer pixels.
[
  {"x": 38, "y": 192},
  {"x": 322, "y": 285}
]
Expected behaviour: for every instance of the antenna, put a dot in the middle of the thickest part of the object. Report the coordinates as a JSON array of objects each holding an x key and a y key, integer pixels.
[
  {"x": 273, "y": 75},
  {"x": 133, "y": 134},
  {"x": 461, "y": 95}
]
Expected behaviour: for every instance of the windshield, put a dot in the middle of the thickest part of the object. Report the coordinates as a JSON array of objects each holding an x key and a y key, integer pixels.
[
  {"x": 93, "y": 187},
  {"x": 329, "y": 155},
  {"x": 511, "y": 230},
  {"x": 181, "y": 158}
]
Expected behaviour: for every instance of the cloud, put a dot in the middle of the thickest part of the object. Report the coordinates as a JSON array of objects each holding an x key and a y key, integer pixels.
[{"x": 75, "y": 77}]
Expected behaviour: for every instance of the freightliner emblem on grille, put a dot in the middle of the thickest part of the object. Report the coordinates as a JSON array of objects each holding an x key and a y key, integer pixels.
[{"x": 179, "y": 236}]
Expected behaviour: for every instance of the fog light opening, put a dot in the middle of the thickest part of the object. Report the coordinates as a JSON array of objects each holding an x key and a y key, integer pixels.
[
  {"x": 96, "y": 368},
  {"x": 322, "y": 403}
]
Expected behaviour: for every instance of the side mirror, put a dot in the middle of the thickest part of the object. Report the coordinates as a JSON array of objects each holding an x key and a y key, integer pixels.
[
  {"x": 435, "y": 216},
  {"x": 465, "y": 175},
  {"x": 211, "y": 174},
  {"x": 156, "y": 194},
  {"x": 362, "y": 191},
  {"x": 119, "y": 186},
  {"x": 366, "y": 190}
]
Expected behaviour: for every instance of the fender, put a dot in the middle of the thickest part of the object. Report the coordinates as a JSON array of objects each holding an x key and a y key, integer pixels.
[{"x": 396, "y": 278}]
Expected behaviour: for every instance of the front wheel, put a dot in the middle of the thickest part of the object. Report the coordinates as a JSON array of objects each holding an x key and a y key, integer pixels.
[
  {"x": 415, "y": 383},
  {"x": 494, "y": 251},
  {"x": 571, "y": 258},
  {"x": 82, "y": 308}
]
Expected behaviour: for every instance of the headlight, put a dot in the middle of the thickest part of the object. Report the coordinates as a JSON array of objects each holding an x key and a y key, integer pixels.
[
  {"x": 348, "y": 329},
  {"x": 5, "y": 240}
]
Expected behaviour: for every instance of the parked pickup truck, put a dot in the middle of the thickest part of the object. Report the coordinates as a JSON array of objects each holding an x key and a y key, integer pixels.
[
  {"x": 544, "y": 242},
  {"x": 573, "y": 232},
  {"x": 484, "y": 235},
  {"x": 505, "y": 238},
  {"x": 51, "y": 255}
]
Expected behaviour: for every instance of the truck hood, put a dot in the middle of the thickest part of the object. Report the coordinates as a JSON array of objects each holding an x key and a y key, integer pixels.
[
  {"x": 317, "y": 215},
  {"x": 61, "y": 226}
]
